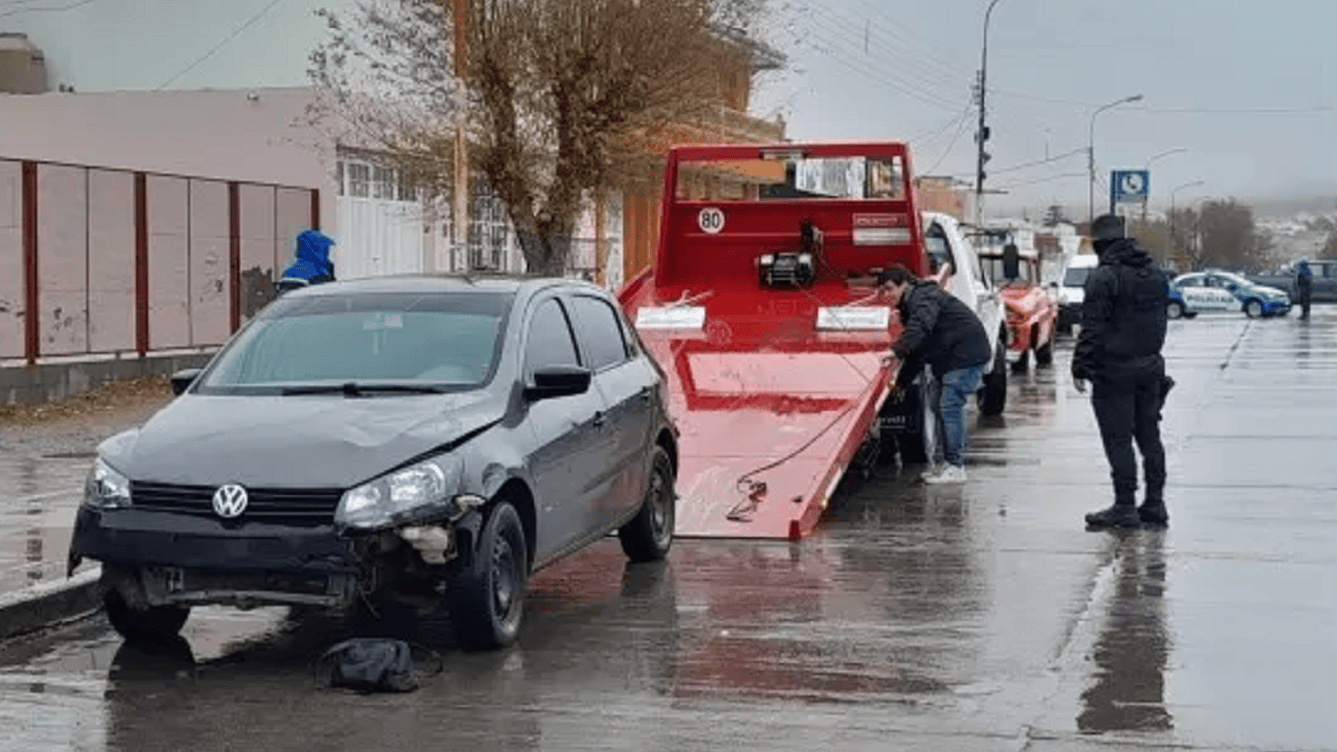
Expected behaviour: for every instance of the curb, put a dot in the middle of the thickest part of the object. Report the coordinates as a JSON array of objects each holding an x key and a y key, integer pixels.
[{"x": 50, "y": 603}]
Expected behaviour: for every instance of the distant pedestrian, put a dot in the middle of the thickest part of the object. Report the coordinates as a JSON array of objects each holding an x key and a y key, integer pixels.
[
  {"x": 1119, "y": 352},
  {"x": 311, "y": 265},
  {"x": 943, "y": 334},
  {"x": 1304, "y": 286}
]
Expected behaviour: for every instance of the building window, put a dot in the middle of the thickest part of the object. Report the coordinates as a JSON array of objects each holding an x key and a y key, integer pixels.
[
  {"x": 384, "y": 183},
  {"x": 359, "y": 179},
  {"x": 489, "y": 227},
  {"x": 363, "y": 178}
]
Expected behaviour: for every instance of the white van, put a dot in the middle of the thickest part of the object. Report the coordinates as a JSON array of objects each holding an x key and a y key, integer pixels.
[{"x": 1071, "y": 290}]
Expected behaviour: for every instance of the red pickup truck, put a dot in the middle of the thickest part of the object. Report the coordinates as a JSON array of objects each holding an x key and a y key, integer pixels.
[{"x": 1031, "y": 311}]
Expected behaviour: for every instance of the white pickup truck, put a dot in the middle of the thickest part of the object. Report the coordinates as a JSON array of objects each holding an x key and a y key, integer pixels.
[{"x": 956, "y": 266}]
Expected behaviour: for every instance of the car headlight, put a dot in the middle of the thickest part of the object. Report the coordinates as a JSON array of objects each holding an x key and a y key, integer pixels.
[
  {"x": 425, "y": 491},
  {"x": 106, "y": 488}
]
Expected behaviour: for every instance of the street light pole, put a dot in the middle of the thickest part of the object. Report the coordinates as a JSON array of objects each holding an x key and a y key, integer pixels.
[
  {"x": 1177, "y": 189},
  {"x": 1178, "y": 150},
  {"x": 982, "y": 134},
  {"x": 1091, "y": 155}
]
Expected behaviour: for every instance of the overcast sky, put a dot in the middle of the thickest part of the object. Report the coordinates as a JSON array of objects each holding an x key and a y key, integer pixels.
[{"x": 1246, "y": 87}]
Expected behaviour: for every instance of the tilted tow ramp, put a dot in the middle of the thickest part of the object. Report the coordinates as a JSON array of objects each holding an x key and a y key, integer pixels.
[{"x": 761, "y": 310}]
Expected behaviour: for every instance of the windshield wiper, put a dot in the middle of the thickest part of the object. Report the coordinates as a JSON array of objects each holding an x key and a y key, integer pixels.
[{"x": 354, "y": 389}]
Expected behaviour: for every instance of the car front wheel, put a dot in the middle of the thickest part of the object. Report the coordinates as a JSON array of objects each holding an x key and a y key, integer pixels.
[
  {"x": 152, "y": 623},
  {"x": 1253, "y": 309},
  {"x": 649, "y": 535},
  {"x": 486, "y": 598},
  {"x": 1174, "y": 309}
]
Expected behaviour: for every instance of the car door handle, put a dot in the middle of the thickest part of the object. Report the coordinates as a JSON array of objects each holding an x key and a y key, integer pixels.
[
  {"x": 599, "y": 420},
  {"x": 646, "y": 393}
]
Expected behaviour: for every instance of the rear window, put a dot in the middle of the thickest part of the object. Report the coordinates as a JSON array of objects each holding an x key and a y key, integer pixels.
[
  {"x": 792, "y": 177},
  {"x": 1076, "y": 276},
  {"x": 449, "y": 340}
]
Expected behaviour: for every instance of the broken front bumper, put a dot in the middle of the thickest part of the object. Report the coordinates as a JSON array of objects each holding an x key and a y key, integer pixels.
[{"x": 157, "y": 559}]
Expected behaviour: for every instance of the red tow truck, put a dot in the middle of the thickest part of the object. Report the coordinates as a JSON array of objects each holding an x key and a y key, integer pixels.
[{"x": 762, "y": 310}]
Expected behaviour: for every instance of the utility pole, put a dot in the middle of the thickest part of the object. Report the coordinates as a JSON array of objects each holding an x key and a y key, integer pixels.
[
  {"x": 461, "y": 223},
  {"x": 982, "y": 134}
]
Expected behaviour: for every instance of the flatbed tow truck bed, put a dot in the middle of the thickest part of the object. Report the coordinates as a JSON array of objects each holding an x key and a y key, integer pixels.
[{"x": 775, "y": 374}]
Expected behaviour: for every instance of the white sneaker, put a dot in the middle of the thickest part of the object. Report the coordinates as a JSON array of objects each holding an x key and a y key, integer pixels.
[
  {"x": 933, "y": 471},
  {"x": 950, "y": 474}
]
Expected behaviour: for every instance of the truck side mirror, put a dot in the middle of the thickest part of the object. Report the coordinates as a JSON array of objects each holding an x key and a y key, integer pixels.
[{"x": 1011, "y": 261}]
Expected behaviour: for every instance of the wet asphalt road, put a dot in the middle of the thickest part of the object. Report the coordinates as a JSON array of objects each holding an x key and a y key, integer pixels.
[{"x": 980, "y": 617}]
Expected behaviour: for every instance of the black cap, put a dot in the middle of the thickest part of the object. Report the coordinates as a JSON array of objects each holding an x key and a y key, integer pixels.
[{"x": 1107, "y": 227}]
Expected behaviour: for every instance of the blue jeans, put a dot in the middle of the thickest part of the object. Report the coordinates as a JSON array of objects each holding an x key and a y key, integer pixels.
[{"x": 957, "y": 386}]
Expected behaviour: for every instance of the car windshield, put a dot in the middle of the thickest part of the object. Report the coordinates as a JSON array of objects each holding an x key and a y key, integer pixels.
[
  {"x": 1076, "y": 276},
  {"x": 389, "y": 343},
  {"x": 1233, "y": 279}
]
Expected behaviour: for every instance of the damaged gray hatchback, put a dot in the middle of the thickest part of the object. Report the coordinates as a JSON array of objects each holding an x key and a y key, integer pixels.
[{"x": 359, "y": 441}]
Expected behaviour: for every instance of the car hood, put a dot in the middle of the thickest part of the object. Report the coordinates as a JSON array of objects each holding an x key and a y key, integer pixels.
[{"x": 311, "y": 441}]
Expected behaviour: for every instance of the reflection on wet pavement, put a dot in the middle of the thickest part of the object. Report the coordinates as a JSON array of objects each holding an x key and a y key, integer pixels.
[{"x": 1128, "y": 692}]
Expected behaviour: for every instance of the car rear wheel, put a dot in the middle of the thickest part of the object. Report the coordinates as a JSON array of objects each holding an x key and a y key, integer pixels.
[
  {"x": 1044, "y": 354},
  {"x": 152, "y": 623},
  {"x": 1253, "y": 309},
  {"x": 486, "y": 597},
  {"x": 649, "y": 535},
  {"x": 1174, "y": 309}
]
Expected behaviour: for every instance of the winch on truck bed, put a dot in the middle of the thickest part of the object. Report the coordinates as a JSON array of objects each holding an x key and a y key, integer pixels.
[{"x": 762, "y": 310}]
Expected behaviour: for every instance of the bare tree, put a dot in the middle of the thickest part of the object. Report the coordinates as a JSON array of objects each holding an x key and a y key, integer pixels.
[
  {"x": 564, "y": 99},
  {"x": 1227, "y": 230}
]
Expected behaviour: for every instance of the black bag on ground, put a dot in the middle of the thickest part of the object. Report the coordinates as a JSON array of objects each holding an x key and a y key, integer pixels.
[{"x": 368, "y": 664}]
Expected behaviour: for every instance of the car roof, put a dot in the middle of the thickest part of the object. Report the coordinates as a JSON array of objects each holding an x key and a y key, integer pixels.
[{"x": 422, "y": 283}]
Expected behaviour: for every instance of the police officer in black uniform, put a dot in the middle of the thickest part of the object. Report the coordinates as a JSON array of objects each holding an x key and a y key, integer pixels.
[{"x": 1119, "y": 352}]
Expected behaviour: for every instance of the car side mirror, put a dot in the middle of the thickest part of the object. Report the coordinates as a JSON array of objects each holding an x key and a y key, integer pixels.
[
  {"x": 1011, "y": 261},
  {"x": 1232, "y": 287},
  {"x": 558, "y": 381},
  {"x": 181, "y": 380}
]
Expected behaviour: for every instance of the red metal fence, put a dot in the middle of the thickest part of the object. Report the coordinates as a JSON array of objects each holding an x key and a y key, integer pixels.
[{"x": 98, "y": 261}]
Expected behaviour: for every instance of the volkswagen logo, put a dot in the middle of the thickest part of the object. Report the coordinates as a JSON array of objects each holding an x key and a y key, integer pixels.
[{"x": 230, "y": 500}]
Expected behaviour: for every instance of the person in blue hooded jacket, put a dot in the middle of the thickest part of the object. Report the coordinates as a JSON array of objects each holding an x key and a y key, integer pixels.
[{"x": 312, "y": 265}]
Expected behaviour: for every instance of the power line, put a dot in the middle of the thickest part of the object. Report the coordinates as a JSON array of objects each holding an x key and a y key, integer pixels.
[
  {"x": 829, "y": 47},
  {"x": 235, "y": 33},
  {"x": 933, "y": 133},
  {"x": 912, "y": 37},
  {"x": 905, "y": 58},
  {"x": 1025, "y": 165},
  {"x": 887, "y": 81},
  {"x": 836, "y": 36},
  {"x": 1051, "y": 178},
  {"x": 1177, "y": 110},
  {"x": 959, "y": 130},
  {"x": 43, "y": 9}
]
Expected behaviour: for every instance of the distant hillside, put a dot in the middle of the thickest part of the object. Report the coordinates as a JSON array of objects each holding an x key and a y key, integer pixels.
[{"x": 1288, "y": 206}]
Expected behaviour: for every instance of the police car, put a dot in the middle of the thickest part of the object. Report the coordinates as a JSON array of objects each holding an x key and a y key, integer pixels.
[{"x": 1214, "y": 290}]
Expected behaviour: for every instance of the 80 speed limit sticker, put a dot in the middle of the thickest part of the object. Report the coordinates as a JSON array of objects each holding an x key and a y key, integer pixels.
[{"x": 711, "y": 219}]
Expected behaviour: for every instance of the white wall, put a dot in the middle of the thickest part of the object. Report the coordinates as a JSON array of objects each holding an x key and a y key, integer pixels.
[{"x": 259, "y": 136}]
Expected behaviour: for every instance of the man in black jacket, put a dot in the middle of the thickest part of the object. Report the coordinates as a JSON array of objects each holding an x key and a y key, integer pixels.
[
  {"x": 942, "y": 333},
  {"x": 1119, "y": 352}
]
